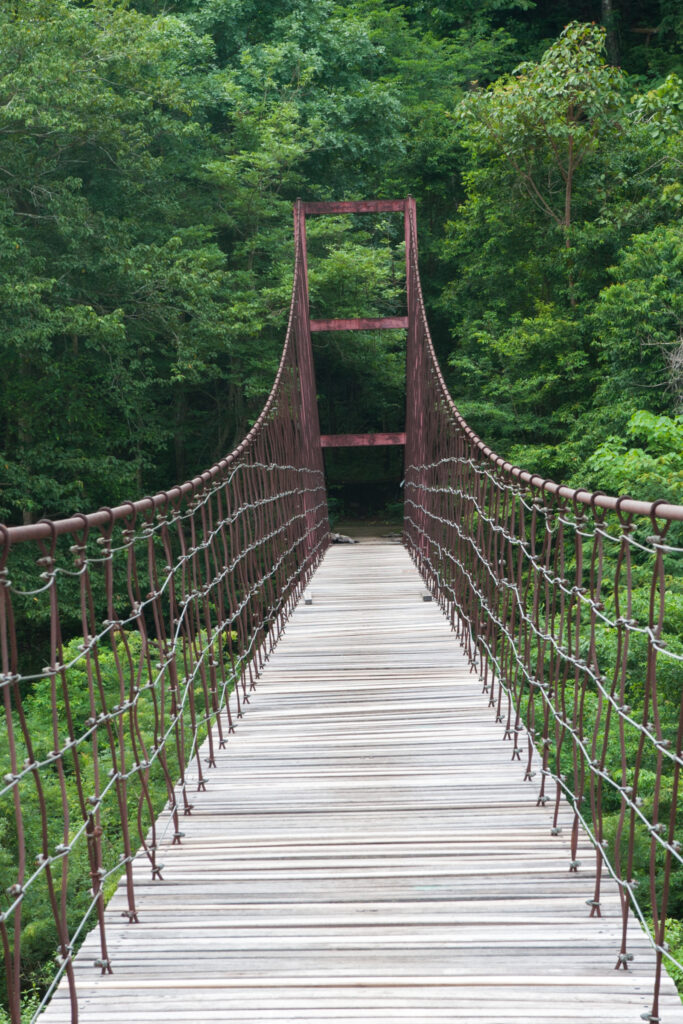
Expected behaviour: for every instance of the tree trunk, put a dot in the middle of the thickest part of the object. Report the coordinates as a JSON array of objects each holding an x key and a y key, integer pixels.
[
  {"x": 180, "y": 419},
  {"x": 567, "y": 223},
  {"x": 675, "y": 361},
  {"x": 231, "y": 425},
  {"x": 608, "y": 20},
  {"x": 24, "y": 432}
]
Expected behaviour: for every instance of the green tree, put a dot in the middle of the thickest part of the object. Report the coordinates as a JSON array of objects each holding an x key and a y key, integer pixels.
[
  {"x": 104, "y": 264},
  {"x": 564, "y": 168},
  {"x": 544, "y": 122}
]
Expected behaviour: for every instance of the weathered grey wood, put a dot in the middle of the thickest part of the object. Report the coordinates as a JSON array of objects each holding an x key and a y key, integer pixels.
[{"x": 367, "y": 850}]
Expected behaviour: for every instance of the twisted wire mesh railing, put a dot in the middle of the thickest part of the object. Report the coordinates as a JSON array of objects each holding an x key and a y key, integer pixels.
[
  {"x": 160, "y": 616},
  {"x": 570, "y": 606}
]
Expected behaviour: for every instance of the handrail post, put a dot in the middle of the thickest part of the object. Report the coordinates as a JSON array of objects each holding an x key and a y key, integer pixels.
[
  {"x": 310, "y": 452},
  {"x": 415, "y": 454}
]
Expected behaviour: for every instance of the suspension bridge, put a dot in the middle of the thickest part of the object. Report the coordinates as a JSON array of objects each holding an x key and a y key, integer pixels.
[{"x": 281, "y": 780}]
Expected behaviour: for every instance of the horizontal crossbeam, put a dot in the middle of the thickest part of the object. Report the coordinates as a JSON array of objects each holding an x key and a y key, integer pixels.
[
  {"x": 360, "y": 440},
  {"x": 360, "y": 206},
  {"x": 361, "y": 323}
]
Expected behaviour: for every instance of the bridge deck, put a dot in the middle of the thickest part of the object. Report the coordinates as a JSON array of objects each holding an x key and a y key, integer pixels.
[{"x": 366, "y": 850}]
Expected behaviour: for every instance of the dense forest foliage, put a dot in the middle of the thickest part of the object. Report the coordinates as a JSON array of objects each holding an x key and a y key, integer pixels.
[{"x": 150, "y": 153}]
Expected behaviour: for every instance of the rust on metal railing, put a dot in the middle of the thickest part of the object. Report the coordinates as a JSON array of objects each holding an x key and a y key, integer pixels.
[
  {"x": 564, "y": 600},
  {"x": 361, "y": 440},
  {"x": 161, "y": 612},
  {"x": 359, "y": 323},
  {"x": 172, "y": 603}
]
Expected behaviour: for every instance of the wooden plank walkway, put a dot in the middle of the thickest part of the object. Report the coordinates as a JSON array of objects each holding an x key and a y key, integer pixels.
[{"x": 366, "y": 850}]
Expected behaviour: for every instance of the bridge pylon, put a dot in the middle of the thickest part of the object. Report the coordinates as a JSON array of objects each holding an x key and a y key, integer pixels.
[{"x": 412, "y": 436}]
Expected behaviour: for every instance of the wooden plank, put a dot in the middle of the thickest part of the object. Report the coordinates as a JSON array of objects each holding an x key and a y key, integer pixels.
[
  {"x": 361, "y": 323},
  {"x": 366, "y": 849},
  {"x": 360, "y": 440},
  {"x": 355, "y": 206}
]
